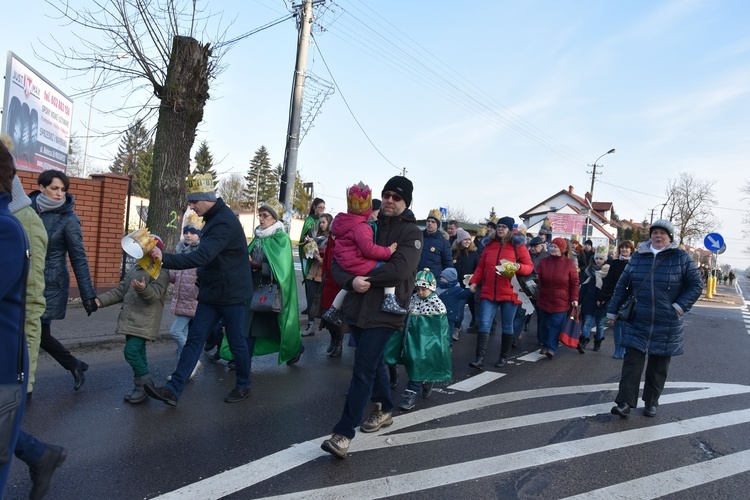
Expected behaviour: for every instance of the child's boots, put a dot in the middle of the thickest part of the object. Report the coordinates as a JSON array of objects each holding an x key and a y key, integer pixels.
[
  {"x": 391, "y": 305},
  {"x": 139, "y": 394}
]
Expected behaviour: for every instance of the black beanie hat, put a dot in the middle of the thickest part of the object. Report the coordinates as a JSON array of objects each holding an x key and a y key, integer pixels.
[
  {"x": 507, "y": 222},
  {"x": 375, "y": 204},
  {"x": 401, "y": 185}
]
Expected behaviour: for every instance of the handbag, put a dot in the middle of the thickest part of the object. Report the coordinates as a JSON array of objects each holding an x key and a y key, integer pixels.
[
  {"x": 10, "y": 393},
  {"x": 267, "y": 299},
  {"x": 626, "y": 311},
  {"x": 571, "y": 329}
]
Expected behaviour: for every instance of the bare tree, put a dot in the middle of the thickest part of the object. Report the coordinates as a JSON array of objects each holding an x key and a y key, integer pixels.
[
  {"x": 459, "y": 215},
  {"x": 127, "y": 41},
  {"x": 232, "y": 190},
  {"x": 689, "y": 206},
  {"x": 746, "y": 216}
]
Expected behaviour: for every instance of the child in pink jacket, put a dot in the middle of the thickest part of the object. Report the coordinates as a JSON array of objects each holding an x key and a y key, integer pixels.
[{"x": 355, "y": 250}]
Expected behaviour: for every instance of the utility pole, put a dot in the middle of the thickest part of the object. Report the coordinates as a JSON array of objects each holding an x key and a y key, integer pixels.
[
  {"x": 591, "y": 193},
  {"x": 289, "y": 173}
]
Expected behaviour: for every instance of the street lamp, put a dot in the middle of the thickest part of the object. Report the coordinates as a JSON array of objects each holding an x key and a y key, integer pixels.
[
  {"x": 591, "y": 191},
  {"x": 97, "y": 59}
]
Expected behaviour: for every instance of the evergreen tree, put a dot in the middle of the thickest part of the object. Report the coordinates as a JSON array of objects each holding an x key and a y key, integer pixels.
[
  {"x": 131, "y": 160},
  {"x": 75, "y": 166},
  {"x": 301, "y": 201},
  {"x": 261, "y": 178},
  {"x": 493, "y": 215},
  {"x": 204, "y": 162}
]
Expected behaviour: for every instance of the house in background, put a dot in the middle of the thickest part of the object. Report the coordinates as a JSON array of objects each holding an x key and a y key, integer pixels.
[{"x": 566, "y": 212}]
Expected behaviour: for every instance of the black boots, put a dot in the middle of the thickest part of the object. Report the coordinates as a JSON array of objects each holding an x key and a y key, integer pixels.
[
  {"x": 393, "y": 374},
  {"x": 78, "y": 374},
  {"x": 505, "y": 348},
  {"x": 335, "y": 346},
  {"x": 482, "y": 339},
  {"x": 41, "y": 472}
]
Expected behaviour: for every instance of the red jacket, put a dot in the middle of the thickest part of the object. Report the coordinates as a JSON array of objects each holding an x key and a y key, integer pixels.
[
  {"x": 495, "y": 287},
  {"x": 558, "y": 284}
]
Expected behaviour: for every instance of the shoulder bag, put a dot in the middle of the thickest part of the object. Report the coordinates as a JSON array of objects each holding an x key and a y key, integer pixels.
[{"x": 267, "y": 298}]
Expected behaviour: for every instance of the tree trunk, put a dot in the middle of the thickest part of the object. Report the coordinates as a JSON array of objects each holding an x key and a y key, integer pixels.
[{"x": 183, "y": 98}]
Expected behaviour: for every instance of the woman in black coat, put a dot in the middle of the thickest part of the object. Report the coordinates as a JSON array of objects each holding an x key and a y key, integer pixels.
[
  {"x": 624, "y": 251},
  {"x": 465, "y": 261},
  {"x": 666, "y": 283},
  {"x": 55, "y": 206}
]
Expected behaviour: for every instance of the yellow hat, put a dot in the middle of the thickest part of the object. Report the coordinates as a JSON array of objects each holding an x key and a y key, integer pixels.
[{"x": 200, "y": 187}]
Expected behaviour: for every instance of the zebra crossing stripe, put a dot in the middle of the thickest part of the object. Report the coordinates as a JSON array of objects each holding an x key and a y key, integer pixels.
[
  {"x": 254, "y": 472},
  {"x": 674, "y": 480},
  {"x": 402, "y": 484}
]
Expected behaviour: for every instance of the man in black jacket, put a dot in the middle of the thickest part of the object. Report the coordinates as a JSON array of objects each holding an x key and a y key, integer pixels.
[
  {"x": 225, "y": 285},
  {"x": 371, "y": 327}
]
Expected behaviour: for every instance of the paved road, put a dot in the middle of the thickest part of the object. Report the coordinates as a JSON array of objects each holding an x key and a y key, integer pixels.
[{"x": 536, "y": 429}]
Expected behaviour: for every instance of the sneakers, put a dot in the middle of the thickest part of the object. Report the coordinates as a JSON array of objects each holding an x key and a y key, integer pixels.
[
  {"x": 337, "y": 445},
  {"x": 237, "y": 395},
  {"x": 391, "y": 305},
  {"x": 310, "y": 329},
  {"x": 376, "y": 420},
  {"x": 333, "y": 316},
  {"x": 427, "y": 389},
  {"x": 162, "y": 394},
  {"x": 41, "y": 472},
  {"x": 408, "y": 401},
  {"x": 195, "y": 371},
  {"x": 456, "y": 332}
]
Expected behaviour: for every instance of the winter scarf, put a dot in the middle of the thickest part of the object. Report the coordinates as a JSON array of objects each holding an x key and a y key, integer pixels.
[{"x": 45, "y": 204}]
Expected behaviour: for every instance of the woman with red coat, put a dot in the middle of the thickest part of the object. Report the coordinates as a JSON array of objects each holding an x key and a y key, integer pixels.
[
  {"x": 497, "y": 291},
  {"x": 558, "y": 292}
]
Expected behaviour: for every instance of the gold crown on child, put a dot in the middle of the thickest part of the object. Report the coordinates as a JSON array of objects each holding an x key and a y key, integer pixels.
[{"x": 200, "y": 183}]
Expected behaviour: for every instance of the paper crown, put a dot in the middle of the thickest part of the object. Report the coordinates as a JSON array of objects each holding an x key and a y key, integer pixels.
[
  {"x": 426, "y": 279},
  {"x": 276, "y": 206},
  {"x": 601, "y": 249},
  {"x": 359, "y": 198},
  {"x": 194, "y": 220},
  {"x": 435, "y": 212},
  {"x": 200, "y": 183},
  {"x": 138, "y": 245}
]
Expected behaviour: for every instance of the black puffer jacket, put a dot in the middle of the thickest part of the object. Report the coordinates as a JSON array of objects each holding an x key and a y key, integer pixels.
[
  {"x": 363, "y": 309},
  {"x": 664, "y": 296},
  {"x": 65, "y": 240},
  {"x": 223, "y": 265}
]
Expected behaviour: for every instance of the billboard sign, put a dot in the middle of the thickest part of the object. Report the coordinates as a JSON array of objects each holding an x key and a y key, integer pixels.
[
  {"x": 567, "y": 223},
  {"x": 37, "y": 116}
]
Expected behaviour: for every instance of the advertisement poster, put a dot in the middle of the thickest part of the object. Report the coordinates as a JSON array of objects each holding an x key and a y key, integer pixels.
[
  {"x": 37, "y": 116},
  {"x": 567, "y": 223}
]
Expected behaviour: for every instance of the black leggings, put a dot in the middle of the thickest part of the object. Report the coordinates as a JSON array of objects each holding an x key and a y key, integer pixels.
[{"x": 54, "y": 348}]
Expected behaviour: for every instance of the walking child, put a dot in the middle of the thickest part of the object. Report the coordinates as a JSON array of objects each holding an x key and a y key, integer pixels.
[
  {"x": 355, "y": 250},
  {"x": 424, "y": 347},
  {"x": 142, "y": 300},
  {"x": 454, "y": 297}
]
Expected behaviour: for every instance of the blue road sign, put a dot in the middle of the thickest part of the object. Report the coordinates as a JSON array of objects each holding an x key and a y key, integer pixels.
[{"x": 714, "y": 242}]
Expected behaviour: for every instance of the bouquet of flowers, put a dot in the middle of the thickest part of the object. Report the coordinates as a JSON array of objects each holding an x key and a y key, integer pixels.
[
  {"x": 507, "y": 268},
  {"x": 310, "y": 248}
]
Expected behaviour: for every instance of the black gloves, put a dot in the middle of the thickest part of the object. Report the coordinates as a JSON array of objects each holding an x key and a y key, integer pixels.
[
  {"x": 256, "y": 265},
  {"x": 90, "y": 305}
]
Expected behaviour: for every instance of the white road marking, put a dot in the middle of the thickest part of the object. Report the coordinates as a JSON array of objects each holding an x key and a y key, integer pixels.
[
  {"x": 532, "y": 356},
  {"x": 476, "y": 469},
  {"x": 476, "y": 381},
  {"x": 267, "y": 467},
  {"x": 674, "y": 480}
]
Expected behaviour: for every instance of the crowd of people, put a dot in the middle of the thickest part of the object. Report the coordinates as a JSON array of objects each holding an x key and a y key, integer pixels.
[{"x": 399, "y": 291}]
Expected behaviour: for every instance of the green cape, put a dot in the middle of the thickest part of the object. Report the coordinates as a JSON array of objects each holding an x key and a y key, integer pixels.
[
  {"x": 278, "y": 251},
  {"x": 426, "y": 350},
  {"x": 310, "y": 221}
]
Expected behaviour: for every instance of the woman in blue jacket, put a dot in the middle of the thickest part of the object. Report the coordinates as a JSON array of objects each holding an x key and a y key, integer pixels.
[{"x": 667, "y": 283}]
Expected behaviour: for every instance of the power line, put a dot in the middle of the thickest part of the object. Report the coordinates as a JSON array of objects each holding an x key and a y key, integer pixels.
[{"x": 349, "y": 107}]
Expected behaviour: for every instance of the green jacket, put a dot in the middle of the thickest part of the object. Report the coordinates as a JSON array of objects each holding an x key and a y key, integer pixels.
[
  {"x": 141, "y": 311},
  {"x": 37, "y": 234}
]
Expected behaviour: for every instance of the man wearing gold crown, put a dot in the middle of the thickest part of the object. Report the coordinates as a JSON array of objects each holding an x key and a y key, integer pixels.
[
  {"x": 225, "y": 284},
  {"x": 436, "y": 252}
]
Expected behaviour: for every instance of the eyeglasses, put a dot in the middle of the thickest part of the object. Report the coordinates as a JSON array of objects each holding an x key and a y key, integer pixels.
[
  {"x": 502, "y": 226},
  {"x": 393, "y": 196},
  {"x": 264, "y": 215}
]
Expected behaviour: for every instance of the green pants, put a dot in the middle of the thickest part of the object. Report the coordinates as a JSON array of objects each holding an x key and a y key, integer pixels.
[{"x": 135, "y": 355}]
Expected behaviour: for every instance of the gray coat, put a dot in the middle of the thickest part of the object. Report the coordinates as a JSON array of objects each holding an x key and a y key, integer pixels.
[
  {"x": 65, "y": 240},
  {"x": 663, "y": 297}
]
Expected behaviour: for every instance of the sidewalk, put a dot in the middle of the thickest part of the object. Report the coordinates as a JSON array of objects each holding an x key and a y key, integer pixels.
[{"x": 725, "y": 295}]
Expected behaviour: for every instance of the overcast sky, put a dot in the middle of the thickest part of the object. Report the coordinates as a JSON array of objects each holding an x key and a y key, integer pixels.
[{"x": 484, "y": 103}]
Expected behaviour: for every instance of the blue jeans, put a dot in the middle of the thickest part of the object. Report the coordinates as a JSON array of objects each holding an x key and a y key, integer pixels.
[
  {"x": 179, "y": 332},
  {"x": 549, "y": 325},
  {"x": 589, "y": 320},
  {"x": 370, "y": 380},
  {"x": 206, "y": 317},
  {"x": 519, "y": 321},
  {"x": 487, "y": 311}
]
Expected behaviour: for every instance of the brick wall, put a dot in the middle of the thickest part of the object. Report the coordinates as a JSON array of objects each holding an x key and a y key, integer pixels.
[{"x": 100, "y": 204}]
